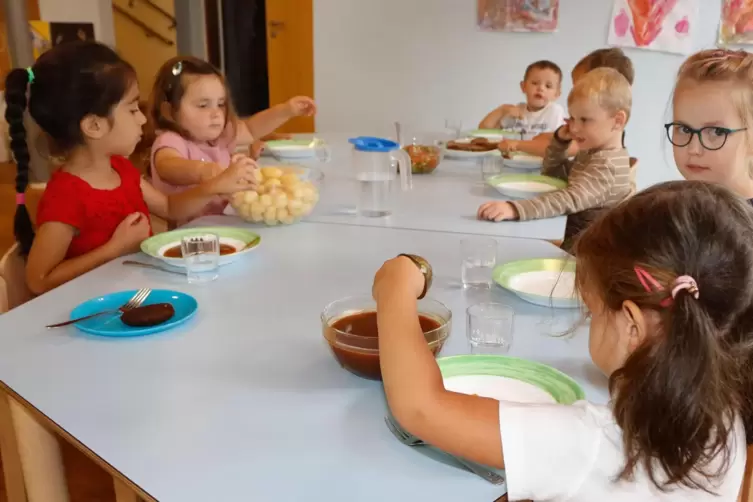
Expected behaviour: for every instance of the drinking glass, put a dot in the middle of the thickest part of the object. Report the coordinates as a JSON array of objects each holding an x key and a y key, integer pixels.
[
  {"x": 201, "y": 256},
  {"x": 491, "y": 165},
  {"x": 454, "y": 126},
  {"x": 489, "y": 328},
  {"x": 479, "y": 255}
]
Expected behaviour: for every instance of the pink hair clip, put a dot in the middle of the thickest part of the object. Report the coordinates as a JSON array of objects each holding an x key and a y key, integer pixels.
[
  {"x": 20, "y": 199},
  {"x": 652, "y": 285}
]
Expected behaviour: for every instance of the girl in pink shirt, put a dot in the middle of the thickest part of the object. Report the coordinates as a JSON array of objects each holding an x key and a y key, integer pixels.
[{"x": 198, "y": 130}]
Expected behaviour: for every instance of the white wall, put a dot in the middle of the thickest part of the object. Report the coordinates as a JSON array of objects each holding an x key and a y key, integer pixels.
[
  {"x": 98, "y": 12},
  {"x": 377, "y": 61}
]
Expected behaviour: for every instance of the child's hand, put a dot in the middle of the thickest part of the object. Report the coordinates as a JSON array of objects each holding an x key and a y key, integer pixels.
[
  {"x": 515, "y": 111},
  {"x": 508, "y": 146},
  {"x": 241, "y": 175},
  {"x": 256, "y": 148},
  {"x": 302, "y": 106},
  {"x": 129, "y": 234},
  {"x": 497, "y": 211},
  {"x": 563, "y": 133},
  {"x": 398, "y": 275}
]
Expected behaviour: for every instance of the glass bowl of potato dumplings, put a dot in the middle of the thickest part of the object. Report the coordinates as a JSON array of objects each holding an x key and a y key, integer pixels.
[{"x": 285, "y": 195}]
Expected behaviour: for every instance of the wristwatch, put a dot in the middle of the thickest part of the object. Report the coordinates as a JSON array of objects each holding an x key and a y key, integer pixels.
[{"x": 425, "y": 269}]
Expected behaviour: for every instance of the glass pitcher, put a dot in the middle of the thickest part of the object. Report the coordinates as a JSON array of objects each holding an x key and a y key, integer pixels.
[{"x": 377, "y": 163}]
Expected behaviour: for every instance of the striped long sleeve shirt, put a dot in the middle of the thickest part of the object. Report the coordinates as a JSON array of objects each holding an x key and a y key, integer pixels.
[{"x": 595, "y": 180}]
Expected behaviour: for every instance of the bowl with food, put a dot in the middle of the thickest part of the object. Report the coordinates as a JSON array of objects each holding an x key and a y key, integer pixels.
[
  {"x": 350, "y": 328},
  {"x": 233, "y": 243},
  {"x": 285, "y": 195},
  {"x": 424, "y": 157}
]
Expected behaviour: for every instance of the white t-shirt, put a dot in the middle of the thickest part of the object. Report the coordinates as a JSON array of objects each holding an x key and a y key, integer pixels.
[
  {"x": 574, "y": 453},
  {"x": 548, "y": 119}
]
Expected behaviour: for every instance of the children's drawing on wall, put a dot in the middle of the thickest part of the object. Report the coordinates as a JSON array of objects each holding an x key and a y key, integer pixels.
[
  {"x": 736, "y": 26},
  {"x": 518, "y": 15},
  {"x": 659, "y": 25}
]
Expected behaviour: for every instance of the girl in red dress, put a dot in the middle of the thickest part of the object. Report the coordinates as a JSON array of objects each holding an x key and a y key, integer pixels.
[{"x": 96, "y": 207}]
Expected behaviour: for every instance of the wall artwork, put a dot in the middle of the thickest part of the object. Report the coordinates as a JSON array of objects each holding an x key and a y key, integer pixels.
[
  {"x": 658, "y": 25},
  {"x": 518, "y": 15},
  {"x": 736, "y": 26}
]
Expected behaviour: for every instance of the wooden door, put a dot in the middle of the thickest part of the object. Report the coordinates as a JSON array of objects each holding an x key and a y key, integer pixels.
[
  {"x": 32, "y": 11},
  {"x": 290, "y": 55}
]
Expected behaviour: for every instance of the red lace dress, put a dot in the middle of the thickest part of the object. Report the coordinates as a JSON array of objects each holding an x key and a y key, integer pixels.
[{"x": 94, "y": 213}]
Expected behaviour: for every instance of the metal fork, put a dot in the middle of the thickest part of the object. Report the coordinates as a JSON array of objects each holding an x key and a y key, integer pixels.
[
  {"x": 410, "y": 440},
  {"x": 134, "y": 302}
]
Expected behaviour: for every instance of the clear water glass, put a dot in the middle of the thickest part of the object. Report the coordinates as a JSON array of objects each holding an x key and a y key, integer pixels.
[
  {"x": 454, "y": 126},
  {"x": 479, "y": 255},
  {"x": 489, "y": 328},
  {"x": 201, "y": 256},
  {"x": 491, "y": 165}
]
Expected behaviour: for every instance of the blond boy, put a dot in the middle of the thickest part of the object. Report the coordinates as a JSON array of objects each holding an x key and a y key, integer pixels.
[{"x": 600, "y": 174}]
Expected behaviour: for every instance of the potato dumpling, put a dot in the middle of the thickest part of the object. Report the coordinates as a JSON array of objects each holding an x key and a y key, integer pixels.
[
  {"x": 271, "y": 172},
  {"x": 289, "y": 180}
]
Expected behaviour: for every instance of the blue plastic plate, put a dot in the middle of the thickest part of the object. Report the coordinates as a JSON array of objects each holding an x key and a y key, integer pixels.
[{"x": 110, "y": 325}]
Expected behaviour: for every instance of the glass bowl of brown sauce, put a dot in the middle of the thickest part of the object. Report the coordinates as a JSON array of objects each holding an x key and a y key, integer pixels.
[{"x": 350, "y": 328}]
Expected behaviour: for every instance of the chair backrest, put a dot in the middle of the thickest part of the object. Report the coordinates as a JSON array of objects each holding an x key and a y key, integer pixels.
[
  {"x": 746, "y": 493},
  {"x": 13, "y": 273}
]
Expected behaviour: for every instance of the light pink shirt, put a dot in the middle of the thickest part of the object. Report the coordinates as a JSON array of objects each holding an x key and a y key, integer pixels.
[{"x": 219, "y": 153}]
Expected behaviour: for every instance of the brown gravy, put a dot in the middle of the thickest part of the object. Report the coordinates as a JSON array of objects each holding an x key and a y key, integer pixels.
[
  {"x": 366, "y": 364},
  {"x": 175, "y": 252}
]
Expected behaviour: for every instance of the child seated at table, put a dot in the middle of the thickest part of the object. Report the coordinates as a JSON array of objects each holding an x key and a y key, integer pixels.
[
  {"x": 540, "y": 113},
  {"x": 601, "y": 58},
  {"x": 197, "y": 129},
  {"x": 667, "y": 279},
  {"x": 600, "y": 176},
  {"x": 710, "y": 132},
  {"x": 96, "y": 206}
]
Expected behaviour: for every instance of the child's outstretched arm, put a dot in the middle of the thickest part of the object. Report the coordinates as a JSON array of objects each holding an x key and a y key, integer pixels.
[
  {"x": 241, "y": 175},
  {"x": 463, "y": 425},
  {"x": 174, "y": 168},
  {"x": 47, "y": 267},
  {"x": 495, "y": 117},
  {"x": 587, "y": 190},
  {"x": 265, "y": 122}
]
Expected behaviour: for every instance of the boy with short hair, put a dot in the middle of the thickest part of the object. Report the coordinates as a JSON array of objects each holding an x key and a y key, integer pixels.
[
  {"x": 540, "y": 113},
  {"x": 600, "y": 176},
  {"x": 601, "y": 58}
]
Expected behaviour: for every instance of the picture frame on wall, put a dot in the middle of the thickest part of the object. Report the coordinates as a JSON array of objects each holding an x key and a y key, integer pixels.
[
  {"x": 538, "y": 16},
  {"x": 736, "y": 23}
]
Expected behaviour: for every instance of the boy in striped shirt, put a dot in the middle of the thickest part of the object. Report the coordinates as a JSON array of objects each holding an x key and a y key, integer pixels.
[{"x": 600, "y": 176}]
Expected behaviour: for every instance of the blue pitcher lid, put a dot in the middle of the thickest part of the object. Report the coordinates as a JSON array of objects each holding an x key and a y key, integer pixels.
[{"x": 369, "y": 144}]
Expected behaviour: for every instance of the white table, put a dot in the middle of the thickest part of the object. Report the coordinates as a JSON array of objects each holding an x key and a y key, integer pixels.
[
  {"x": 446, "y": 200},
  {"x": 245, "y": 402}
]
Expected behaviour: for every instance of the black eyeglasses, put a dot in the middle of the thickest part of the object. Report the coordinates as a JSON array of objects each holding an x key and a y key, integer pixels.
[{"x": 711, "y": 137}]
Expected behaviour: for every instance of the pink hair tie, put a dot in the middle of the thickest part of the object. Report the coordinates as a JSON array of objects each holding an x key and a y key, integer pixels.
[
  {"x": 686, "y": 282},
  {"x": 20, "y": 199}
]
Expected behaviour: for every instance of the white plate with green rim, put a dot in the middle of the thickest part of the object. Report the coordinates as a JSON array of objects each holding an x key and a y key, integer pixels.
[
  {"x": 547, "y": 282},
  {"x": 494, "y": 134},
  {"x": 463, "y": 155},
  {"x": 523, "y": 186},
  {"x": 291, "y": 148},
  {"x": 242, "y": 240},
  {"x": 508, "y": 379},
  {"x": 523, "y": 161}
]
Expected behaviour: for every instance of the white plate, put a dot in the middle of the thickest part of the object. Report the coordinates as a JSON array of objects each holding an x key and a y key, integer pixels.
[
  {"x": 237, "y": 237},
  {"x": 548, "y": 288},
  {"x": 523, "y": 161},
  {"x": 290, "y": 149},
  {"x": 549, "y": 282},
  {"x": 499, "y": 388},
  {"x": 523, "y": 186}
]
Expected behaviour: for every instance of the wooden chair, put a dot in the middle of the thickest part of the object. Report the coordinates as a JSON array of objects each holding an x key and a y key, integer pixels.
[
  {"x": 746, "y": 493},
  {"x": 37, "y": 449}
]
